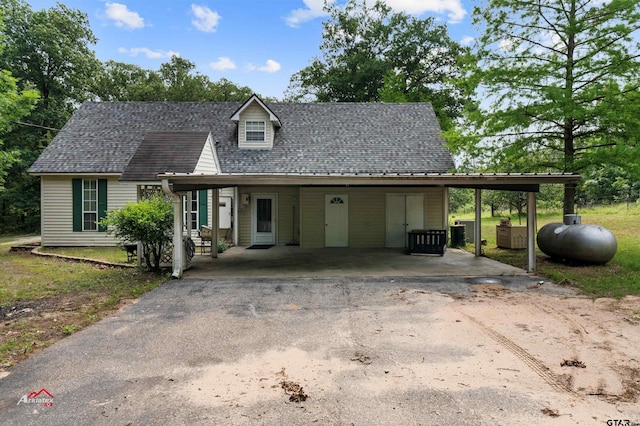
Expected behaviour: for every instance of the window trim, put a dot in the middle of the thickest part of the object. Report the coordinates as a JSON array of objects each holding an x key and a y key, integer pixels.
[
  {"x": 85, "y": 211},
  {"x": 255, "y": 132},
  {"x": 77, "y": 195}
]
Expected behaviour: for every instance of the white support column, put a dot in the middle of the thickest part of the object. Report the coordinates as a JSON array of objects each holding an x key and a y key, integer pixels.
[
  {"x": 531, "y": 231},
  {"x": 445, "y": 208},
  {"x": 179, "y": 255},
  {"x": 477, "y": 233},
  {"x": 215, "y": 222},
  {"x": 236, "y": 203}
]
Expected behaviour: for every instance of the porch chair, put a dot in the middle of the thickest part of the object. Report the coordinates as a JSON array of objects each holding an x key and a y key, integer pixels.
[{"x": 206, "y": 235}]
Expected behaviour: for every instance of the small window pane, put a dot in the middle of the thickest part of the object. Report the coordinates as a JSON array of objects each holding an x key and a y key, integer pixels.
[
  {"x": 90, "y": 220},
  {"x": 89, "y": 204},
  {"x": 255, "y": 130}
]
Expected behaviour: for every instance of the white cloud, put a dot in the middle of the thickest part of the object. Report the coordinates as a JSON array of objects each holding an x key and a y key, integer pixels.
[
  {"x": 314, "y": 9},
  {"x": 452, "y": 8},
  {"x": 205, "y": 20},
  {"x": 271, "y": 66},
  {"x": 467, "y": 40},
  {"x": 151, "y": 54},
  {"x": 222, "y": 64},
  {"x": 506, "y": 44},
  {"x": 123, "y": 17}
]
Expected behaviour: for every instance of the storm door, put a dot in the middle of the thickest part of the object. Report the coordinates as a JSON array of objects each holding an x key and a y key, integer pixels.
[{"x": 263, "y": 218}]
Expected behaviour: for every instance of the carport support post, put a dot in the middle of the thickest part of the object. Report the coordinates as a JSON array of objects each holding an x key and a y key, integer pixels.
[
  {"x": 178, "y": 246},
  {"x": 215, "y": 222},
  {"x": 531, "y": 231},
  {"x": 477, "y": 234}
]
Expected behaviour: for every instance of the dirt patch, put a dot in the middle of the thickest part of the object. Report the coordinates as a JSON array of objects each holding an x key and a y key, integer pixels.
[
  {"x": 558, "y": 337},
  {"x": 30, "y": 326},
  {"x": 493, "y": 289}
]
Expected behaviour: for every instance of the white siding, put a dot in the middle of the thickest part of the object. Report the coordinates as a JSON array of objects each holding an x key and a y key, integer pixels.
[
  {"x": 207, "y": 163},
  {"x": 288, "y": 206},
  {"x": 366, "y": 214},
  {"x": 255, "y": 112},
  {"x": 57, "y": 211}
]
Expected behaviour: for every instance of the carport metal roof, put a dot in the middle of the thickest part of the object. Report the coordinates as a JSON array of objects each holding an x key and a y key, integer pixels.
[{"x": 523, "y": 182}]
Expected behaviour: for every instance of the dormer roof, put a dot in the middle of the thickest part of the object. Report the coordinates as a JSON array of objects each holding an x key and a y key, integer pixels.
[{"x": 255, "y": 98}]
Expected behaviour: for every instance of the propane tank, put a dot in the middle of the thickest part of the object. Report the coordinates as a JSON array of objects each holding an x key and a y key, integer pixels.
[{"x": 574, "y": 241}]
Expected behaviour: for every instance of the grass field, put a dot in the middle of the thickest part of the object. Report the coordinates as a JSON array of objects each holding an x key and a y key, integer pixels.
[
  {"x": 44, "y": 299},
  {"x": 107, "y": 254},
  {"x": 618, "y": 278}
]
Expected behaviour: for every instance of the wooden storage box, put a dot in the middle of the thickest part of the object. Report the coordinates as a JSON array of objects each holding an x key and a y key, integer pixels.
[{"x": 511, "y": 236}]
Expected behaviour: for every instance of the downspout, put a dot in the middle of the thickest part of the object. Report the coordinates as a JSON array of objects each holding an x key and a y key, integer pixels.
[{"x": 178, "y": 247}]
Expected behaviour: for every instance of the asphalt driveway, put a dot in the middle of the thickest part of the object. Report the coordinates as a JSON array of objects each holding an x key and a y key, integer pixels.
[{"x": 284, "y": 351}]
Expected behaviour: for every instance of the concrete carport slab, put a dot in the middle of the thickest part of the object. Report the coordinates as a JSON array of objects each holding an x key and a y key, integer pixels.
[{"x": 292, "y": 261}]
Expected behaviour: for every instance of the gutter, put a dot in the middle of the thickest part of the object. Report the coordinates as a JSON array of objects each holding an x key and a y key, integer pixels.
[{"x": 178, "y": 250}]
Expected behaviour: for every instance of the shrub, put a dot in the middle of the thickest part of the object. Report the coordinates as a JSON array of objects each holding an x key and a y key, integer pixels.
[{"x": 149, "y": 222}]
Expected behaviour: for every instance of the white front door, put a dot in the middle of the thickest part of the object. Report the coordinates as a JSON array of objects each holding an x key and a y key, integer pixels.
[
  {"x": 336, "y": 220},
  {"x": 225, "y": 212},
  {"x": 263, "y": 218},
  {"x": 405, "y": 212}
]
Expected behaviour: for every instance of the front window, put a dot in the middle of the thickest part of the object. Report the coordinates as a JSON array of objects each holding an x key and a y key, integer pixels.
[
  {"x": 255, "y": 131},
  {"x": 90, "y": 204},
  {"x": 191, "y": 222}
]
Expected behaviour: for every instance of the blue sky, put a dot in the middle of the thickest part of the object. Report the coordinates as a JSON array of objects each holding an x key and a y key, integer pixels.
[{"x": 254, "y": 43}]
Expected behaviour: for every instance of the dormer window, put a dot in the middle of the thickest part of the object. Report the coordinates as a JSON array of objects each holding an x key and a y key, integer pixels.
[
  {"x": 257, "y": 124},
  {"x": 255, "y": 131}
]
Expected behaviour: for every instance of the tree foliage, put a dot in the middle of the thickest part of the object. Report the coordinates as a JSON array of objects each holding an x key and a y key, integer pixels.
[
  {"x": 14, "y": 104},
  {"x": 560, "y": 80},
  {"x": 608, "y": 184},
  {"x": 47, "y": 50},
  {"x": 173, "y": 81},
  {"x": 371, "y": 54},
  {"x": 149, "y": 222}
]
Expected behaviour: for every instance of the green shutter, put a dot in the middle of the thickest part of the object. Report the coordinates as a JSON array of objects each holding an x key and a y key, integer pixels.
[
  {"x": 102, "y": 202},
  {"x": 203, "y": 210},
  {"x": 76, "y": 189}
]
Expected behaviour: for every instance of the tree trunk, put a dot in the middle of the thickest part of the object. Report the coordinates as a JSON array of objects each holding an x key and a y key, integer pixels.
[
  {"x": 569, "y": 121},
  {"x": 569, "y": 201}
]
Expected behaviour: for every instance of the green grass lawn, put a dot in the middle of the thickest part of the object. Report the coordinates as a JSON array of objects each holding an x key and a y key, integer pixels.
[
  {"x": 107, "y": 254},
  {"x": 618, "y": 278},
  {"x": 43, "y": 299}
]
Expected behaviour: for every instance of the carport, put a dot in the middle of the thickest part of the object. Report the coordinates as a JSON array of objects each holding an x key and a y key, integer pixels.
[{"x": 174, "y": 184}]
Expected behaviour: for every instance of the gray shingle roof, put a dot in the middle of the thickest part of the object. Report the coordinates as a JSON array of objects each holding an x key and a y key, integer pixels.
[
  {"x": 173, "y": 152},
  {"x": 314, "y": 138}
]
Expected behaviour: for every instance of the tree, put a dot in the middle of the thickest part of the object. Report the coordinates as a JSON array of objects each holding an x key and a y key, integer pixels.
[
  {"x": 560, "y": 79},
  {"x": 47, "y": 50},
  {"x": 14, "y": 104},
  {"x": 149, "y": 222},
  {"x": 174, "y": 81},
  {"x": 118, "y": 81},
  {"x": 371, "y": 54}
]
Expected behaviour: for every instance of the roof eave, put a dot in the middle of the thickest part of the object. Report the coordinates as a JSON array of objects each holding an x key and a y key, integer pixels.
[{"x": 517, "y": 182}]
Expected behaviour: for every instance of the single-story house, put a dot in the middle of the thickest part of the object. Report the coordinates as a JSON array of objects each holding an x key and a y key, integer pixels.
[{"x": 357, "y": 175}]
